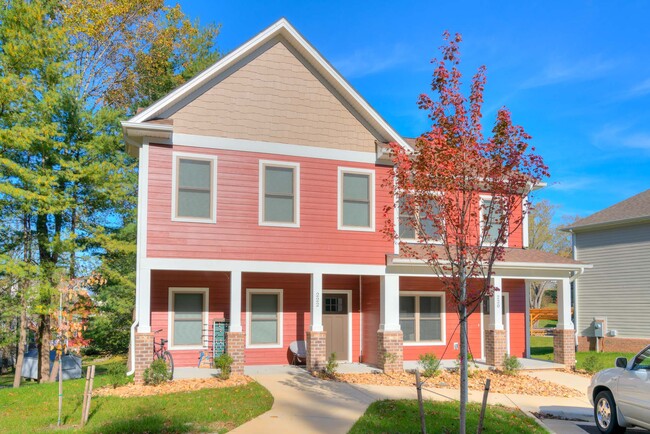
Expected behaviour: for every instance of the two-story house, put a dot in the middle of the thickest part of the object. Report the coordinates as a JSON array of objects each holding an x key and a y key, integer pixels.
[{"x": 261, "y": 205}]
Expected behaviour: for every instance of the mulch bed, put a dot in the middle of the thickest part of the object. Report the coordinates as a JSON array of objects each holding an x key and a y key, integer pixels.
[
  {"x": 176, "y": 386},
  {"x": 499, "y": 383}
]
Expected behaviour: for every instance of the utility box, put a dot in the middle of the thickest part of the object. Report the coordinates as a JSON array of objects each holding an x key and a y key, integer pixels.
[{"x": 600, "y": 328}]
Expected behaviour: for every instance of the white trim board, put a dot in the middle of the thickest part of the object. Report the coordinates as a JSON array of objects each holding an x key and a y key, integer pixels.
[{"x": 348, "y": 292}]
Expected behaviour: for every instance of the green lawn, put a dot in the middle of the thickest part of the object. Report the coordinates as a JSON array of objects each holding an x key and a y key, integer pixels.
[
  {"x": 541, "y": 347},
  {"x": 441, "y": 417},
  {"x": 34, "y": 409}
]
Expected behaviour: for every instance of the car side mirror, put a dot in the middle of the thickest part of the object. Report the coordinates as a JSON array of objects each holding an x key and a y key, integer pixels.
[{"x": 621, "y": 362}]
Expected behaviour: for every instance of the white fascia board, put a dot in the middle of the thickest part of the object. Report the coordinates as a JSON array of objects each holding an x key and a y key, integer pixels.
[
  {"x": 504, "y": 265},
  {"x": 283, "y": 27}
]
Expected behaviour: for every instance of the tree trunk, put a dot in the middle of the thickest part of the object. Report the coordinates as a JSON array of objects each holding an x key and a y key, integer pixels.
[
  {"x": 43, "y": 346},
  {"x": 22, "y": 342},
  {"x": 462, "y": 316}
]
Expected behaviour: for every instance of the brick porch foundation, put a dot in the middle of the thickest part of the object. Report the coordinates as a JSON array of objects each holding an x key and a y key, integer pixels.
[
  {"x": 390, "y": 351},
  {"x": 316, "y": 351},
  {"x": 564, "y": 349},
  {"x": 611, "y": 343},
  {"x": 143, "y": 355},
  {"x": 495, "y": 347},
  {"x": 235, "y": 342}
]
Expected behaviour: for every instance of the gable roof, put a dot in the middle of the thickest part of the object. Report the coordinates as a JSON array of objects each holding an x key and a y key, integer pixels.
[
  {"x": 633, "y": 210},
  {"x": 141, "y": 121}
]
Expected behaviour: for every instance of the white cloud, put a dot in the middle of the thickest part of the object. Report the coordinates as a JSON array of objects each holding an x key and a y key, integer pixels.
[
  {"x": 369, "y": 61},
  {"x": 613, "y": 136},
  {"x": 556, "y": 71}
]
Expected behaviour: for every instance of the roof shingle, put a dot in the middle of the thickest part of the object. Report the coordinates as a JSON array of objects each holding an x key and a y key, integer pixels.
[{"x": 632, "y": 209}]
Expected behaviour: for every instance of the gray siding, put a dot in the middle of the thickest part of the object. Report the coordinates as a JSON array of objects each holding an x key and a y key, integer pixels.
[{"x": 618, "y": 287}]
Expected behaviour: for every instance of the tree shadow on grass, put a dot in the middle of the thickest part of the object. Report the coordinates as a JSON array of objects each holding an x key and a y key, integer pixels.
[{"x": 144, "y": 424}]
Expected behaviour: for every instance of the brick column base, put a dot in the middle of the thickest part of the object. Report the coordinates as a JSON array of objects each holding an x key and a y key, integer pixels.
[
  {"x": 235, "y": 343},
  {"x": 495, "y": 347},
  {"x": 143, "y": 355},
  {"x": 564, "y": 347},
  {"x": 390, "y": 352},
  {"x": 316, "y": 352}
]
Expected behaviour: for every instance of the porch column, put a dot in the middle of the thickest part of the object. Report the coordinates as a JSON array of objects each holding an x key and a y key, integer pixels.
[
  {"x": 144, "y": 300},
  {"x": 235, "y": 338},
  {"x": 316, "y": 357},
  {"x": 390, "y": 339},
  {"x": 564, "y": 338},
  {"x": 495, "y": 335}
]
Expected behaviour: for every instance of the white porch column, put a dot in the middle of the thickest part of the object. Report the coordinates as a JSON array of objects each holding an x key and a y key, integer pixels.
[
  {"x": 389, "y": 303},
  {"x": 564, "y": 321},
  {"x": 144, "y": 304},
  {"x": 235, "y": 302},
  {"x": 316, "y": 314},
  {"x": 496, "y": 306}
]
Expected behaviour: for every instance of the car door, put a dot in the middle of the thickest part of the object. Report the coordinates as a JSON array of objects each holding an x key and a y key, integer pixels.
[{"x": 634, "y": 389}]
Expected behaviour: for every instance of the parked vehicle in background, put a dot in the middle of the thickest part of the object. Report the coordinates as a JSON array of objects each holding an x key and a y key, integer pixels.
[{"x": 621, "y": 395}]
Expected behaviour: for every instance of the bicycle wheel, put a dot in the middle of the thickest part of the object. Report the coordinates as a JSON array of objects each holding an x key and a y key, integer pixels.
[{"x": 169, "y": 360}]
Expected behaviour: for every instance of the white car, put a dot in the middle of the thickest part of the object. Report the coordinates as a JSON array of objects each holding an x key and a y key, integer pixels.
[{"x": 621, "y": 395}]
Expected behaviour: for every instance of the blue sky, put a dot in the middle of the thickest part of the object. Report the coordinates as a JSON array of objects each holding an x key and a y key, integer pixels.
[{"x": 575, "y": 74}]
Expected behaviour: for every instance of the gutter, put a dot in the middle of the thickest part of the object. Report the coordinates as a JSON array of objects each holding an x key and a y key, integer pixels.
[{"x": 133, "y": 326}]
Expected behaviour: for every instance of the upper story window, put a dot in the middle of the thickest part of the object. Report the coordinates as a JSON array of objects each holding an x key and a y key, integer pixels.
[
  {"x": 194, "y": 193},
  {"x": 279, "y": 194},
  {"x": 407, "y": 230},
  {"x": 356, "y": 199},
  {"x": 492, "y": 216}
]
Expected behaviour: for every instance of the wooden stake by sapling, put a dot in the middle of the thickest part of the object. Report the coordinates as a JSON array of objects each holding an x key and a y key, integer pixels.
[
  {"x": 483, "y": 405},
  {"x": 418, "y": 386},
  {"x": 85, "y": 412}
]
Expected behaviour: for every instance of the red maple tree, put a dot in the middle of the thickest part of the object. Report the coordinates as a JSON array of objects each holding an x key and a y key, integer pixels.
[{"x": 459, "y": 194}]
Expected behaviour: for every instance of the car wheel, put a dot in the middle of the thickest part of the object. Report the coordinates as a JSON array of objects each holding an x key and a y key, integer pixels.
[{"x": 605, "y": 414}]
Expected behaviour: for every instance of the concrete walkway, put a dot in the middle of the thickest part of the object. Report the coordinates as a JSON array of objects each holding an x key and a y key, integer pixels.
[{"x": 304, "y": 404}]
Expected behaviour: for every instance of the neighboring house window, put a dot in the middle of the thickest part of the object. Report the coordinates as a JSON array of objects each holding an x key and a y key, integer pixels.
[
  {"x": 279, "y": 194},
  {"x": 356, "y": 199},
  {"x": 428, "y": 226},
  {"x": 421, "y": 318},
  {"x": 188, "y": 317},
  {"x": 493, "y": 220},
  {"x": 264, "y": 318},
  {"x": 194, "y": 189}
]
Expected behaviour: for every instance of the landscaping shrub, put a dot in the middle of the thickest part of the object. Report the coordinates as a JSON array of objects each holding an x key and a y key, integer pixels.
[
  {"x": 331, "y": 366},
  {"x": 511, "y": 365},
  {"x": 592, "y": 364},
  {"x": 224, "y": 363},
  {"x": 157, "y": 373},
  {"x": 116, "y": 375},
  {"x": 430, "y": 365}
]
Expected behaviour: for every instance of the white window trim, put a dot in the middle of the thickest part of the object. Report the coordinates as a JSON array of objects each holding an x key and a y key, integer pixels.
[
  {"x": 213, "y": 208},
  {"x": 279, "y": 292},
  {"x": 339, "y": 199},
  {"x": 481, "y": 222},
  {"x": 170, "y": 316},
  {"x": 296, "y": 193},
  {"x": 443, "y": 317},
  {"x": 416, "y": 240}
]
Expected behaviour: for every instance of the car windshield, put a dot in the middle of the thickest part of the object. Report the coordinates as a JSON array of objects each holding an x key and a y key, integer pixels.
[{"x": 642, "y": 360}]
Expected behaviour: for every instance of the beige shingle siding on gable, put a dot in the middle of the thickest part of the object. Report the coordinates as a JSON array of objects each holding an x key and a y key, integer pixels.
[
  {"x": 618, "y": 286},
  {"x": 274, "y": 97}
]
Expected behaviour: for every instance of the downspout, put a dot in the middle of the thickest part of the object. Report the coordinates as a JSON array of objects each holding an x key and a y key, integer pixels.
[{"x": 132, "y": 344}]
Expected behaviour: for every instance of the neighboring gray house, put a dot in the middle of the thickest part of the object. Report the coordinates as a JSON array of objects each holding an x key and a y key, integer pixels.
[{"x": 615, "y": 293}]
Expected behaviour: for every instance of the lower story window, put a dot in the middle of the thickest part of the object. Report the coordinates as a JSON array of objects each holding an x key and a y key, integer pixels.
[
  {"x": 265, "y": 317},
  {"x": 188, "y": 307},
  {"x": 420, "y": 318}
]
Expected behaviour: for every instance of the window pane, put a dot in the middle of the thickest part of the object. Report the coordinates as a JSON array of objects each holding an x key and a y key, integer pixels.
[
  {"x": 430, "y": 307},
  {"x": 194, "y": 174},
  {"x": 356, "y": 214},
  {"x": 408, "y": 328},
  {"x": 279, "y": 180},
  {"x": 407, "y": 306},
  {"x": 430, "y": 330},
  {"x": 278, "y": 209},
  {"x": 194, "y": 204},
  {"x": 188, "y": 306},
  {"x": 263, "y": 305},
  {"x": 428, "y": 225},
  {"x": 264, "y": 331},
  {"x": 188, "y": 332},
  {"x": 356, "y": 187}
]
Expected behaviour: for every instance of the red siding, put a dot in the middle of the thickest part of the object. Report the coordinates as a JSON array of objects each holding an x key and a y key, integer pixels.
[
  {"x": 370, "y": 317},
  {"x": 237, "y": 234},
  {"x": 219, "y": 302},
  {"x": 453, "y": 334},
  {"x": 517, "y": 293}
]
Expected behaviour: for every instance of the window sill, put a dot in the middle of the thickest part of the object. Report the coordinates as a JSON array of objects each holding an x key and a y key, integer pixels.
[
  {"x": 356, "y": 228},
  {"x": 187, "y": 347},
  {"x": 424, "y": 344},
  {"x": 193, "y": 220},
  {"x": 263, "y": 346},
  {"x": 280, "y": 225}
]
